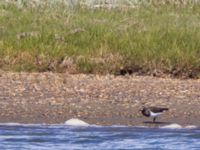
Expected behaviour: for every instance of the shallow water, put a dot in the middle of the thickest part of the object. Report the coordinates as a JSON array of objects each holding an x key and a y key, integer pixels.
[{"x": 62, "y": 137}]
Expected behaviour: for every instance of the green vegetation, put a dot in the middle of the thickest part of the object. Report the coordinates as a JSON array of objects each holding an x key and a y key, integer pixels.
[{"x": 151, "y": 39}]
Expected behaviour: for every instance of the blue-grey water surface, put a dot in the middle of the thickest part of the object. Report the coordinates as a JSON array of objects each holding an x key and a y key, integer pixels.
[{"x": 62, "y": 137}]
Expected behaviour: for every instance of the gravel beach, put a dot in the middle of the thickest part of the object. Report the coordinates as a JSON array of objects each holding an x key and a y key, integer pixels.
[{"x": 102, "y": 100}]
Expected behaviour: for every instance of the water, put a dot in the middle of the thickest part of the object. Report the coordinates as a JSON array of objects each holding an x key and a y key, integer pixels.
[{"x": 63, "y": 137}]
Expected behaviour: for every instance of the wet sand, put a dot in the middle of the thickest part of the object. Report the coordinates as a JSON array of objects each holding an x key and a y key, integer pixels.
[{"x": 102, "y": 100}]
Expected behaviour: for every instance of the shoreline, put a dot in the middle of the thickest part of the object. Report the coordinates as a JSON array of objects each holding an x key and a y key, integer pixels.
[{"x": 102, "y": 100}]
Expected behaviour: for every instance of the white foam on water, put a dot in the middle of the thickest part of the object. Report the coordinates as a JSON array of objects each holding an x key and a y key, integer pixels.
[
  {"x": 141, "y": 126},
  {"x": 21, "y": 124},
  {"x": 172, "y": 126},
  {"x": 11, "y": 124},
  {"x": 177, "y": 126},
  {"x": 76, "y": 122},
  {"x": 119, "y": 126},
  {"x": 190, "y": 127}
]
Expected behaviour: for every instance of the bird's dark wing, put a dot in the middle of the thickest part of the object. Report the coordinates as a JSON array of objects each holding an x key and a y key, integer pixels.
[{"x": 158, "y": 109}]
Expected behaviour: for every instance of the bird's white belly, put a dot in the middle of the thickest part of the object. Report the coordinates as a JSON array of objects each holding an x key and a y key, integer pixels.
[{"x": 152, "y": 114}]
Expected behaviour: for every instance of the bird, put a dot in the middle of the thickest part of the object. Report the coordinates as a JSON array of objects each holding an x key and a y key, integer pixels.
[{"x": 153, "y": 112}]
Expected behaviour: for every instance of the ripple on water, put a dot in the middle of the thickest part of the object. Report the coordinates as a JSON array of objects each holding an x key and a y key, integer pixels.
[{"x": 63, "y": 137}]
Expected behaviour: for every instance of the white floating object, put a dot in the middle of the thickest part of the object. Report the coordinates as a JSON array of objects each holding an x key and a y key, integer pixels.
[
  {"x": 172, "y": 126},
  {"x": 76, "y": 122}
]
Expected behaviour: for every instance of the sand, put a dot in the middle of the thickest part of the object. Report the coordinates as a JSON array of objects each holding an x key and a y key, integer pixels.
[{"x": 103, "y": 100}]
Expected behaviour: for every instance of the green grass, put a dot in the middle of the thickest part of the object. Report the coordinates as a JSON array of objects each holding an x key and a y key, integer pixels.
[{"x": 146, "y": 39}]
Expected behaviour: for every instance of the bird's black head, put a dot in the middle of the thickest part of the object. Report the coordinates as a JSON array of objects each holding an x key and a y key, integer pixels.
[
  {"x": 145, "y": 111},
  {"x": 142, "y": 109}
]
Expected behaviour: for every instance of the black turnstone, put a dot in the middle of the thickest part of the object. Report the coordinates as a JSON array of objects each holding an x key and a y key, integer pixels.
[{"x": 153, "y": 112}]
